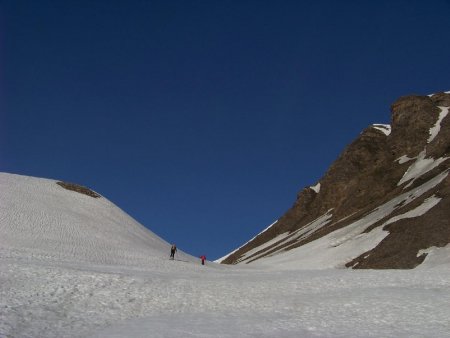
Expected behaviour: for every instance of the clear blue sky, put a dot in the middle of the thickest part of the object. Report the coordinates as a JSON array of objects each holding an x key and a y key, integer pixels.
[{"x": 203, "y": 119}]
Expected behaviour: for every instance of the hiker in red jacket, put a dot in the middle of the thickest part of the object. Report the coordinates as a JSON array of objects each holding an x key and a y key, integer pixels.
[{"x": 203, "y": 258}]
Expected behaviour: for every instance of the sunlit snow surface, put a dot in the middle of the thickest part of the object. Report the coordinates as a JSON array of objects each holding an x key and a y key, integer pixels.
[
  {"x": 434, "y": 131},
  {"x": 40, "y": 219},
  {"x": 47, "y": 292},
  {"x": 186, "y": 300},
  {"x": 421, "y": 166},
  {"x": 384, "y": 128},
  {"x": 316, "y": 188},
  {"x": 219, "y": 260}
]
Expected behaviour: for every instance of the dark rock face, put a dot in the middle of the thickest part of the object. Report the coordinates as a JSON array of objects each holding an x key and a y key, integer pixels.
[
  {"x": 412, "y": 117},
  {"x": 369, "y": 173},
  {"x": 79, "y": 189}
]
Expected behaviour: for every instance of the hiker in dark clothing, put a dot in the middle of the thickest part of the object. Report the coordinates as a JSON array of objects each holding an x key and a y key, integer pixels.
[
  {"x": 203, "y": 258},
  {"x": 173, "y": 249}
]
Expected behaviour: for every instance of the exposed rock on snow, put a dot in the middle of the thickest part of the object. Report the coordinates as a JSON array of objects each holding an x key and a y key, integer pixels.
[
  {"x": 78, "y": 188},
  {"x": 373, "y": 172}
]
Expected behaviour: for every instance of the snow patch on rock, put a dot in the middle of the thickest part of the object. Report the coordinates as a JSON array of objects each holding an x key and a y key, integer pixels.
[
  {"x": 430, "y": 95},
  {"x": 404, "y": 159},
  {"x": 434, "y": 131},
  {"x": 385, "y": 128},
  {"x": 421, "y": 166},
  {"x": 220, "y": 260},
  {"x": 436, "y": 257},
  {"x": 298, "y": 235},
  {"x": 416, "y": 212},
  {"x": 316, "y": 188}
]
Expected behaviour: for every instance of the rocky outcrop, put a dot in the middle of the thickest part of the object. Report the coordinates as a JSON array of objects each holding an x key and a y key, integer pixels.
[
  {"x": 382, "y": 165},
  {"x": 79, "y": 189}
]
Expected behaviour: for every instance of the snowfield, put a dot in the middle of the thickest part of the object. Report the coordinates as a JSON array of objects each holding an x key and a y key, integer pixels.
[
  {"x": 187, "y": 300},
  {"x": 75, "y": 266}
]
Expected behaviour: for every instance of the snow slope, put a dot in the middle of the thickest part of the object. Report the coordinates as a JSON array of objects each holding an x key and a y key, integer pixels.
[
  {"x": 40, "y": 220},
  {"x": 75, "y": 266},
  {"x": 434, "y": 131},
  {"x": 42, "y": 300}
]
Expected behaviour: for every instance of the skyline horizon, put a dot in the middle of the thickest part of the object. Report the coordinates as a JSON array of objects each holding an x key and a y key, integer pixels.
[
  {"x": 204, "y": 120},
  {"x": 217, "y": 259}
]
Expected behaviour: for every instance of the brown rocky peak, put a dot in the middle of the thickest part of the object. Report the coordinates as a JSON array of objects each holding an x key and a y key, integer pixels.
[
  {"x": 373, "y": 172},
  {"x": 412, "y": 118}
]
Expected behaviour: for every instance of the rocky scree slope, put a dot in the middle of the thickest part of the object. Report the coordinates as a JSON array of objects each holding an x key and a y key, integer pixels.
[{"x": 387, "y": 196}]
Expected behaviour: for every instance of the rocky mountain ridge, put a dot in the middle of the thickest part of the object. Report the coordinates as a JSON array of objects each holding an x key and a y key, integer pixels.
[{"x": 391, "y": 181}]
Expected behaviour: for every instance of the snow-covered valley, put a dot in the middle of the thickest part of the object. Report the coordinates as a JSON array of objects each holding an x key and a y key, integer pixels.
[
  {"x": 180, "y": 299},
  {"x": 76, "y": 266}
]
